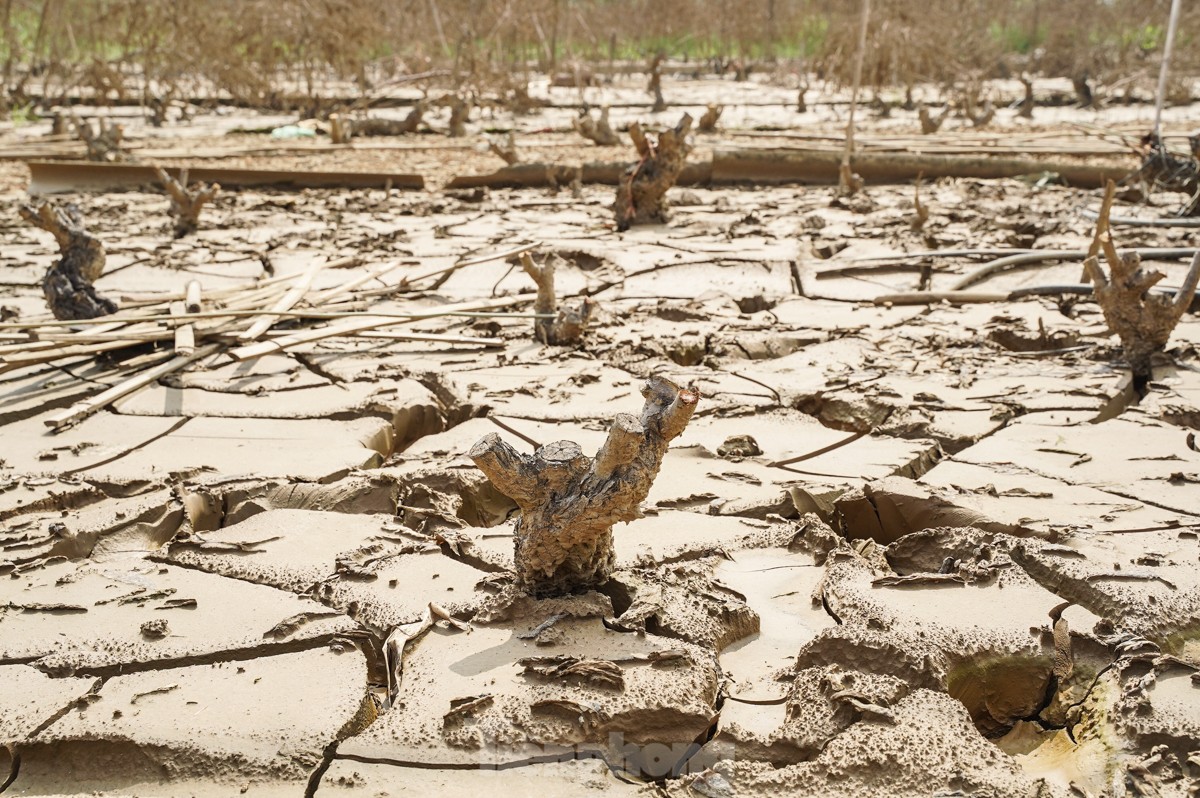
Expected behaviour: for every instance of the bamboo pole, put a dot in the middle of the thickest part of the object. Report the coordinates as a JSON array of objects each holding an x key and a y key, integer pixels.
[{"x": 81, "y": 410}]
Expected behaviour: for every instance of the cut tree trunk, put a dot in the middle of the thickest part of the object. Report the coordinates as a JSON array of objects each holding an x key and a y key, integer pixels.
[
  {"x": 555, "y": 326},
  {"x": 642, "y": 192},
  {"x": 569, "y": 502},
  {"x": 185, "y": 204},
  {"x": 68, "y": 284}
]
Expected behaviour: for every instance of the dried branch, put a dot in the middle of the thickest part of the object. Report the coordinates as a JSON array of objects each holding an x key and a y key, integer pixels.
[{"x": 569, "y": 503}]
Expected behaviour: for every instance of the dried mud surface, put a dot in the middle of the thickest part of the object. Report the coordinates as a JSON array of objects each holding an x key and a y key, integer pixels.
[{"x": 899, "y": 551}]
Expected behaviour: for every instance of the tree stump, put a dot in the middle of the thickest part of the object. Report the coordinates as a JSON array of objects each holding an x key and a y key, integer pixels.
[
  {"x": 388, "y": 127},
  {"x": 569, "y": 503},
  {"x": 341, "y": 129},
  {"x": 1143, "y": 321},
  {"x": 506, "y": 150},
  {"x": 104, "y": 142},
  {"x": 931, "y": 124},
  {"x": 708, "y": 120},
  {"x": 555, "y": 326},
  {"x": 642, "y": 190},
  {"x": 460, "y": 114},
  {"x": 654, "y": 87},
  {"x": 68, "y": 283},
  {"x": 598, "y": 130},
  {"x": 185, "y": 204}
]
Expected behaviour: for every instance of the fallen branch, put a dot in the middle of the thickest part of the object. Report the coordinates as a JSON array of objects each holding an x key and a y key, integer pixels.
[
  {"x": 68, "y": 284},
  {"x": 569, "y": 502}
]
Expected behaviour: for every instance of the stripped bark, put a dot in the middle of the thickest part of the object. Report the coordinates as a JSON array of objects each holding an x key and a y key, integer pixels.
[
  {"x": 1141, "y": 319},
  {"x": 569, "y": 502},
  {"x": 555, "y": 326},
  {"x": 68, "y": 284},
  {"x": 185, "y": 204},
  {"x": 641, "y": 194}
]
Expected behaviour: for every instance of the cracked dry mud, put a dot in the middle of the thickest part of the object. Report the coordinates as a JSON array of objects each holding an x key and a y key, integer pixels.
[{"x": 898, "y": 550}]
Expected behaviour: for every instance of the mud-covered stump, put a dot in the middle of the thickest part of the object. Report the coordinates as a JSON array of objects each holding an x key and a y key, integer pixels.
[
  {"x": 68, "y": 284},
  {"x": 569, "y": 502},
  {"x": 557, "y": 326},
  {"x": 642, "y": 190},
  {"x": 186, "y": 205}
]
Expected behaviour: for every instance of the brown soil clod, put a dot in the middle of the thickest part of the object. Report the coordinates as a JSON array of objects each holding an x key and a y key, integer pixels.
[
  {"x": 570, "y": 502},
  {"x": 556, "y": 326},
  {"x": 68, "y": 284},
  {"x": 1143, "y": 321},
  {"x": 186, "y": 203},
  {"x": 596, "y": 130},
  {"x": 642, "y": 190}
]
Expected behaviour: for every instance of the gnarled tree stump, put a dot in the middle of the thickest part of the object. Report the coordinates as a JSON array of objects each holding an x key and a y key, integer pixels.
[
  {"x": 598, "y": 130},
  {"x": 185, "y": 204},
  {"x": 103, "y": 143},
  {"x": 1142, "y": 320},
  {"x": 568, "y": 324},
  {"x": 569, "y": 503},
  {"x": 642, "y": 190},
  {"x": 68, "y": 283}
]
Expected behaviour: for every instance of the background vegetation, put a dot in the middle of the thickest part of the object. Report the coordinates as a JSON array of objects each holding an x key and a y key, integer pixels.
[{"x": 271, "y": 52}]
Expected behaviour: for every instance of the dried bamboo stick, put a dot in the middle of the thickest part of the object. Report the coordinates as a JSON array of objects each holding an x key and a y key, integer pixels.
[
  {"x": 81, "y": 410},
  {"x": 352, "y": 326},
  {"x": 432, "y": 337},
  {"x": 285, "y": 302},
  {"x": 185, "y": 334}
]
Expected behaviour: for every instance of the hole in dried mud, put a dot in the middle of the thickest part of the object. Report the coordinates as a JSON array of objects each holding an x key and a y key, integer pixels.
[{"x": 999, "y": 691}]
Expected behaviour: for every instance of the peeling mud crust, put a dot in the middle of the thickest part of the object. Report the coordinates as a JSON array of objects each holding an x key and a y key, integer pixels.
[{"x": 900, "y": 549}]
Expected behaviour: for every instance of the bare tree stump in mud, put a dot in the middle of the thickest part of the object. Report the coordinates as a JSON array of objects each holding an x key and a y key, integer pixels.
[
  {"x": 708, "y": 121},
  {"x": 506, "y": 151},
  {"x": 185, "y": 204},
  {"x": 569, "y": 503},
  {"x": 103, "y": 142},
  {"x": 460, "y": 114},
  {"x": 341, "y": 129},
  {"x": 1165, "y": 170},
  {"x": 1143, "y": 321},
  {"x": 986, "y": 114},
  {"x": 595, "y": 130},
  {"x": 68, "y": 283},
  {"x": 569, "y": 323},
  {"x": 1026, "y": 111},
  {"x": 931, "y": 124},
  {"x": 655, "y": 85},
  {"x": 642, "y": 190}
]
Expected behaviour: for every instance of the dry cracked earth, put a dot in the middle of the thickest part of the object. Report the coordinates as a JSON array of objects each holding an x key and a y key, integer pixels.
[{"x": 900, "y": 550}]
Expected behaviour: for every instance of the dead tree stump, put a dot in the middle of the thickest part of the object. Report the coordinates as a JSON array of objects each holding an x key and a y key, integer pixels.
[
  {"x": 103, "y": 142},
  {"x": 507, "y": 151},
  {"x": 185, "y": 204},
  {"x": 931, "y": 124},
  {"x": 341, "y": 129},
  {"x": 68, "y": 284},
  {"x": 1142, "y": 320},
  {"x": 642, "y": 190},
  {"x": 598, "y": 130},
  {"x": 388, "y": 127},
  {"x": 1168, "y": 171},
  {"x": 555, "y": 326},
  {"x": 708, "y": 120},
  {"x": 654, "y": 87},
  {"x": 460, "y": 114},
  {"x": 569, "y": 503}
]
